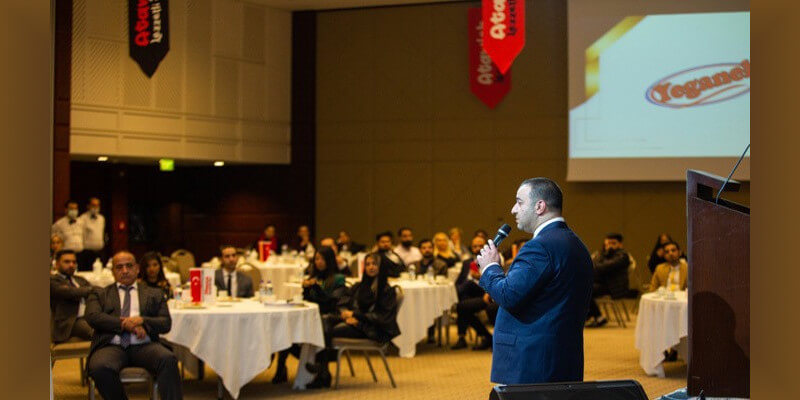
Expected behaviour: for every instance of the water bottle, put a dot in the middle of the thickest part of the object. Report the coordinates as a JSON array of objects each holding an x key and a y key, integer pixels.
[
  {"x": 97, "y": 267},
  {"x": 177, "y": 294},
  {"x": 412, "y": 272},
  {"x": 262, "y": 290},
  {"x": 285, "y": 249},
  {"x": 429, "y": 274},
  {"x": 270, "y": 293}
]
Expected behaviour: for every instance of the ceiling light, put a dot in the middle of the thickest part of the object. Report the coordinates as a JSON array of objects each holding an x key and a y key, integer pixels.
[
  {"x": 102, "y": 158},
  {"x": 219, "y": 163}
]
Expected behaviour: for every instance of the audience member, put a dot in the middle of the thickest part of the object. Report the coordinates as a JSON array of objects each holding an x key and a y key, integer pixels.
[
  {"x": 346, "y": 244},
  {"x": 324, "y": 286},
  {"x": 511, "y": 253},
  {"x": 406, "y": 249},
  {"x": 227, "y": 278},
  {"x": 657, "y": 255},
  {"x": 443, "y": 250},
  {"x": 472, "y": 299},
  {"x": 70, "y": 228},
  {"x": 94, "y": 235},
  {"x": 459, "y": 248},
  {"x": 482, "y": 233},
  {"x": 128, "y": 320},
  {"x": 68, "y": 295},
  {"x": 428, "y": 260},
  {"x": 673, "y": 273},
  {"x": 269, "y": 236},
  {"x": 303, "y": 243},
  {"x": 56, "y": 245},
  {"x": 390, "y": 261},
  {"x": 610, "y": 275},
  {"x": 367, "y": 310},
  {"x": 151, "y": 273},
  {"x": 342, "y": 265}
]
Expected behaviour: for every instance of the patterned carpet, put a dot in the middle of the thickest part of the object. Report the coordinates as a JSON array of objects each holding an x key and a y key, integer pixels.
[{"x": 433, "y": 373}]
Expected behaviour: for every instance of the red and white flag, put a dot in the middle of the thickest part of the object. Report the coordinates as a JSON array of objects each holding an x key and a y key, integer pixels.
[
  {"x": 503, "y": 30},
  {"x": 485, "y": 79}
]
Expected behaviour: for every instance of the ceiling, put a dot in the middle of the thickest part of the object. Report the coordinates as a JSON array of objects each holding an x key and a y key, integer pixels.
[{"x": 334, "y": 4}]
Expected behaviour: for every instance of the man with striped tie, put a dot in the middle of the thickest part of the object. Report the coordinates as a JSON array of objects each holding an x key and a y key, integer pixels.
[{"x": 127, "y": 319}]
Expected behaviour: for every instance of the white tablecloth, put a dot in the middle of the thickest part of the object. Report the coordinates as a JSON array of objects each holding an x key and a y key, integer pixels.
[
  {"x": 106, "y": 278},
  {"x": 422, "y": 304},
  {"x": 660, "y": 325},
  {"x": 236, "y": 342},
  {"x": 279, "y": 274}
]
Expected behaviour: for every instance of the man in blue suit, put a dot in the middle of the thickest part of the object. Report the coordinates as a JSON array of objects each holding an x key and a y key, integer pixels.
[{"x": 544, "y": 297}]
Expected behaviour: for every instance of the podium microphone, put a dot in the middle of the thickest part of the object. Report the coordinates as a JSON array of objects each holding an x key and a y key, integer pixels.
[{"x": 502, "y": 233}]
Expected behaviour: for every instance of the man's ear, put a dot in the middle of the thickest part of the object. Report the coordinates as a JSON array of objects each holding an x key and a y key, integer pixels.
[{"x": 541, "y": 207}]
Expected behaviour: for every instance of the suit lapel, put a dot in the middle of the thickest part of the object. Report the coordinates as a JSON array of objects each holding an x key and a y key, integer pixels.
[
  {"x": 142, "y": 300},
  {"x": 113, "y": 299}
]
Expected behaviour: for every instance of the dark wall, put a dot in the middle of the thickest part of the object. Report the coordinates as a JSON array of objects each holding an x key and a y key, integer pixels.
[{"x": 199, "y": 208}]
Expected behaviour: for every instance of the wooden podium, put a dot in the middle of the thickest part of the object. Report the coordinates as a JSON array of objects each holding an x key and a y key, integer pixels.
[{"x": 719, "y": 289}]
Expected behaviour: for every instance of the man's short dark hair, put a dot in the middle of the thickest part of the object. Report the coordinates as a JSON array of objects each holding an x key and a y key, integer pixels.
[
  {"x": 615, "y": 236},
  {"x": 547, "y": 190},
  {"x": 664, "y": 246},
  {"x": 61, "y": 253},
  {"x": 68, "y": 202},
  {"x": 382, "y": 234},
  {"x": 225, "y": 246},
  {"x": 405, "y": 228},
  {"x": 426, "y": 240}
]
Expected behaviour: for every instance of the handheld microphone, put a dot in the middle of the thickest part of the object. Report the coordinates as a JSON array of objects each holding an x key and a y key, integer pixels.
[{"x": 502, "y": 233}]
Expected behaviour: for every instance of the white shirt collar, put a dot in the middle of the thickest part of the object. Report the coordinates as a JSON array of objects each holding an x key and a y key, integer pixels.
[
  {"x": 548, "y": 222},
  {"x": 134, "y": 286}
]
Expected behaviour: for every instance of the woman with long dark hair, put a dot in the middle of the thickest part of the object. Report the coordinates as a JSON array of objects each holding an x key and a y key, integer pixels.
[
  {"x": 657, "y": 255},
  {"x": 369, "y": 310},
  {"x": 151, "y": 273},
  {"x": 324, "y": 286}
]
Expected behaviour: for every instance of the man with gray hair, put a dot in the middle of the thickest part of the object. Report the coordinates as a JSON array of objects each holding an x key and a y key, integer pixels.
[{"x": 544, "y": 296}]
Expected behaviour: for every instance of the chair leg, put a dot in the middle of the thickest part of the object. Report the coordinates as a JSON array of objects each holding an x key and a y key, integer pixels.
[
  {"x": 349, "y": 363},
  {"x": 618, "y": 315},
  {"x": 154, "y": 391},
  {"x": 388, "y": 371},
  {"x": 83, "y": 372},
  {"x": 625, "y": 309},
  {"x": 447, "y": 332},
  {"x": 91, "y": 389},
  {"x": 338, "y": 363},
  {"x": 369, "y": 363}
]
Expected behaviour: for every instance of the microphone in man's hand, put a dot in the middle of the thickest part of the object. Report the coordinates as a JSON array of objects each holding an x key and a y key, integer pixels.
[{"x": 502, "y": 233}]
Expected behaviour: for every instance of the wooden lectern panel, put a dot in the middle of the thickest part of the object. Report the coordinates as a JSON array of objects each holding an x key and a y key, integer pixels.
[{"x": 719, "y": 291}]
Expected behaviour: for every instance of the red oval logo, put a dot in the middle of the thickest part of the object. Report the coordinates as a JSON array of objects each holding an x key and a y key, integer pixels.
[{"x": 702, "y": 85}]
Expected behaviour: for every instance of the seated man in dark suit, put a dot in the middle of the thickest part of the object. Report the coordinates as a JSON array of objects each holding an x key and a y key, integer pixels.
[
  {"x": 68, "y": 295},
  {"x": 472, "y": 299},
  {"x": 610, "y": 275},
  {"x": 390, "y": 261},
  {"x": 228, "y": 278},
  {"x": 429, "y": 260},
  {"x": 346, "y": 244},
  {"x": 127, "y": 319}
]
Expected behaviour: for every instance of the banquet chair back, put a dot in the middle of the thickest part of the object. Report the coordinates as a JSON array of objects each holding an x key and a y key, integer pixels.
[
  {"x": 170, "y": 264},
  {"x": 253, "y": 272},
  {"x": 185, "y": 261},
  {"x": 132, "y": 375},
  {"x": 71, "y": 349}
]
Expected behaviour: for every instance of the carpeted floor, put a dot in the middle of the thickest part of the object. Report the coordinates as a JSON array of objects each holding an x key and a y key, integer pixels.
[{"x": 433, "y": 373}]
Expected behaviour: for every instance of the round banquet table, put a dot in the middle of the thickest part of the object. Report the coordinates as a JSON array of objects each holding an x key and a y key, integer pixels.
[
  {"x": 105, "y": 277},
  {"x": 279, "y": 274},
  {"x": 237, "y": 341},
  {"x": 423, "y": 302},
  {"x": 661, "y": 325}
]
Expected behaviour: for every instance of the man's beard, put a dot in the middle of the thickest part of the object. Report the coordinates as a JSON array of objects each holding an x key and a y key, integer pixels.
[{"x": 406, "y": 244}]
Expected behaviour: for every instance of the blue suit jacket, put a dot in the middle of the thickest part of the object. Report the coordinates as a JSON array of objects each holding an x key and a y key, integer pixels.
[{"x": 544, "y": 300}]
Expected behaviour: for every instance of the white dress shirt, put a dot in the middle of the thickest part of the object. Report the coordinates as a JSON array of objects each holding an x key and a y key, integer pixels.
[
  {"x": 408, "y": 255},
  {"x": 93, "y": 231},
  {"x": 233, "y": 290},
  {"x": 535, "y": 233},
  {"x": 134, "y": 312},
  {"x": 82, "y": 306},
  {"x": 70, "y": 233},
  {"x": 674, "y": 279}
]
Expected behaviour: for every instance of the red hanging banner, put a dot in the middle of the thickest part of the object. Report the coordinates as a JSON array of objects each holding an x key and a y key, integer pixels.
[
  {"x": 485, "y": 79},
  {"x": 503, "y": 30}
]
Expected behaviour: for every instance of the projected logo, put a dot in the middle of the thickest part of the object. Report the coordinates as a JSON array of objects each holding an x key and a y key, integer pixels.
[{"x": 703, "y": 85}]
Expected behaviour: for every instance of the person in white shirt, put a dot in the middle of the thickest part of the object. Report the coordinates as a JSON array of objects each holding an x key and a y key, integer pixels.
[
  {"x": 94, "y": 240},
  {"x": 405, "y": 249},
  {"x": 70, "y": 228}
]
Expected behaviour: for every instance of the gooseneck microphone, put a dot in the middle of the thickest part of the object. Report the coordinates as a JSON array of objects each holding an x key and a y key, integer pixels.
[{"x": 502, "y": 233}]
